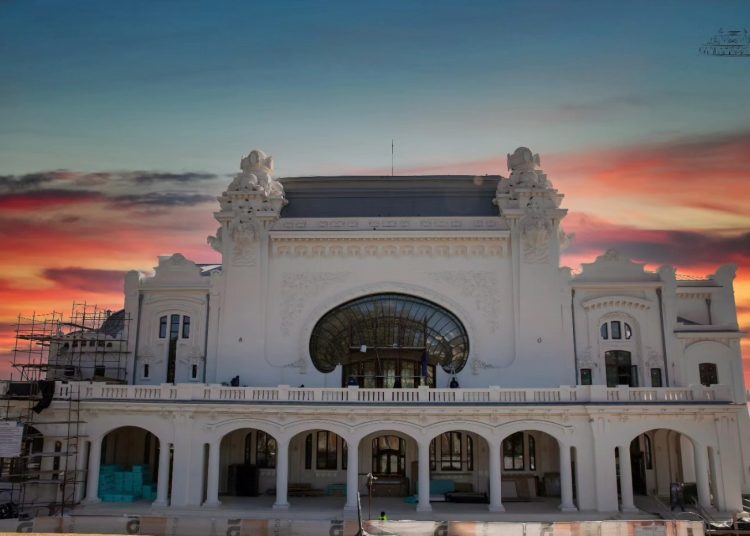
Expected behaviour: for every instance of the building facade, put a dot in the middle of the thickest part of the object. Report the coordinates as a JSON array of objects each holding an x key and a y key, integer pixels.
[{"x": 419, "y": 329}]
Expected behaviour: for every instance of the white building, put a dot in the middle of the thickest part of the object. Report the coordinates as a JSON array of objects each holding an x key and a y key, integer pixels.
[{"x": 421, "y": 329}]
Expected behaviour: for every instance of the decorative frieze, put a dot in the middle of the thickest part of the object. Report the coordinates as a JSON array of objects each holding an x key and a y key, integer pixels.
[
  {"x": 405, "y": 224},
  {"x": 389, "y": 247}
]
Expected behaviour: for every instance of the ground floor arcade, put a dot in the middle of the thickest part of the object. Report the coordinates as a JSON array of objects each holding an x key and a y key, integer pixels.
[{"x": 577, "y": 458}]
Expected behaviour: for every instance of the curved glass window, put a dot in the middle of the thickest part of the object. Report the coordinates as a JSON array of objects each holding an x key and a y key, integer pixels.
[{"x": 415, "y": 334}]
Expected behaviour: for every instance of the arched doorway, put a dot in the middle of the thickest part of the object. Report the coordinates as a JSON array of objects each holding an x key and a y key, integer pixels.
[
  {"x": 459, "y": 462},
  {"x": 661, "y": 458},
  {"x": 247, "y": 463},
  {"x": 392, "y": 458},
  {"x": 318, "y": 464},
  {"x": 389, "y": 341},
  {"x": 130, "y": 465}
]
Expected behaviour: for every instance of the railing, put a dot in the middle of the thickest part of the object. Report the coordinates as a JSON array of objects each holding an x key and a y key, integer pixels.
[{"x": 581, "y": 394}]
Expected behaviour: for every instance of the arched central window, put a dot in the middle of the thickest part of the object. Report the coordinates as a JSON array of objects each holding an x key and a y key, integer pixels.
[{"x": 389, "y": 340}]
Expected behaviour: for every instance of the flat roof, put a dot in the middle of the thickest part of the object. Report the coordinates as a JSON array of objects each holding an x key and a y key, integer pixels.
[{"x": 390, "y": 196}]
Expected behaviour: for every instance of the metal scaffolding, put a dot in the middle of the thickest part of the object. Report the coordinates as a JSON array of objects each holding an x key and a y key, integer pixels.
[{"x": 50, "y": 350}]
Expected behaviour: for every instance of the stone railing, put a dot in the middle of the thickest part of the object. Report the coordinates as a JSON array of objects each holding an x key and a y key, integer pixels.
[{"x": 581, "y": 394}]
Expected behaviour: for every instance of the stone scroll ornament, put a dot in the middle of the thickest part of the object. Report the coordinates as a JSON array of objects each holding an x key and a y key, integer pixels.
[
  {"x": 249, "y": 207},
  {"x": 529, "y": 196}
]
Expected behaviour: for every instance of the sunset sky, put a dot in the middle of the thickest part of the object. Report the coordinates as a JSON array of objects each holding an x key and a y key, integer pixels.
[{"x": 121, "y": 121}]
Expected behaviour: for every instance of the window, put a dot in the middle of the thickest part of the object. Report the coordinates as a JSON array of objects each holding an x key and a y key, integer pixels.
[
  {"x": 469, "y": 453},
  {"x": 308, "y": 452},
  {"x": 100, "y": 370},
  {"x": 146, "y": 370},
  {"x": 648, "y": 454},
  {"x": 513, "y": 452},
  {"x": 450, "y": 451},
  {"x": 433, "y": 456},
  {"x": 708, "y": 374},
  {"x": 389, "y": 456},
  {"x": 194, "y": 372},
  {"x": 185, "y": 327},
  {"x": 532, "y": 453},
  {"x": 615, "y": 325},
  {"x": 265, "y": 451},
  {"x": 585, "y": 376},
  {"x": 616, "y": 329},
  {"x": 656, "y": 377},
  {"x": 618, "y": 369},
  {"x": 163, "y": 327},
  {"x": 326, "y": 452},
  {"x": 70, "y": 370},
  {"x": 174, "y": 331}
]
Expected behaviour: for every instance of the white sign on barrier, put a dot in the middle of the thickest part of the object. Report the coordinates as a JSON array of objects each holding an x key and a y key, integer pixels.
[{"x": 11, "y": 438}]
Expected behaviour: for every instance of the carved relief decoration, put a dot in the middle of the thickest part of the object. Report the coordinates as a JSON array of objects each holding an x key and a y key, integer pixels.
[
  {"x": 373, "y": 247},
  {"x": 536, "y": 232},
  {"x": 249, "y": 207},
  {"x": 483, "y": 288},
  {"x": 408, "y": 224},
  {"x": 297, "y": 289},
  {"x": 477, "y": 366}
]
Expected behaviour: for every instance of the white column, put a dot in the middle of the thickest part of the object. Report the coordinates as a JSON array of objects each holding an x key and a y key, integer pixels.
[
  {"x": 496, "y": 478},
  {"x": 282, "y": 475},
  {"x": 162, "y": 479},
  {"x": 566, "y": 481},
  {"x": 626, "y": 479},
  {"x": 701, "y": 475},
  {"x": 352, "y": 474},
  {"x": 424, "y": 478},
  {"x": 212, "y": 486},
  {"x": 92, "y": 481}
]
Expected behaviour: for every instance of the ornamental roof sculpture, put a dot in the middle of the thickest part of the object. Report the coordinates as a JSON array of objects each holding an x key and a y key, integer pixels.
[{"x": 250, "y": 205}]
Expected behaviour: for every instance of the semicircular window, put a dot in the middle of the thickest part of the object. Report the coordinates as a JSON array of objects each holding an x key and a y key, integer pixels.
[{"x": 389, "y": 340}]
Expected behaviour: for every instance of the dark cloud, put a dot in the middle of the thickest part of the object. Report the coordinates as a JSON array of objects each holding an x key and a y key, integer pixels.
[
  {"x": 30, "y": 181},
  {"x": 90, "y": 280},
  {"x": 145, "y": 177},
  {"x": 161, "y": 199},
  {"x": 681, "y": 248},
  {"x": 50, "y": 197}
]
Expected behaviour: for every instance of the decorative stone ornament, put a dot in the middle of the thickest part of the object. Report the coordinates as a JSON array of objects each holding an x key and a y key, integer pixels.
[
  {"x": 528, "y": 200},
  {"x": 249, "y": 207}
]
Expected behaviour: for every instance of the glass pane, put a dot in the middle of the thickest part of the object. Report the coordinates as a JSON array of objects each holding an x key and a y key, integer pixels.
[
  {"x": 656, "y": 377},
  {"x": 628, "y": 331},
  {"x": 174, "y": 327},
  {"x": 185, "y": 327},
  {"x": 586, "y": 376},
  {"x": 616, "y": 329},
  {"x": 162, "y": 328},
  {"x": 604, "y": 331}
]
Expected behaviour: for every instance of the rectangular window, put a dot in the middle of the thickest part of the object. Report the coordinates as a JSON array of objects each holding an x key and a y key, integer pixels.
[
  {"x": 656, "y": 377},
  {"x": 265, "y": 451},
  {"x": 532, "y": 454},
  {"x": 633, "y": 376},
  {"x": 308, "y": 451},
  {"x": 344, "y": 454},
  {"x": 469, "y": 453},
  {"x": 70, "y": 370},
  {"x": 450, "y": 451},
  {"x": 585, "y": 376},
  {"x": 513, "y": 452},
  {"x": 708, "y": 374},
  {"x": 194, "y": 372},
  {"x": 185, "y": 327},
  {"x": 146, "y": 370},
  {"x": 616, "y": 330},
  {"x": 326, "y": 452},
  {"x": 604, "y": 331},
  {"x": 163, "y": 327},
  {"x": 100, "y": 370}
]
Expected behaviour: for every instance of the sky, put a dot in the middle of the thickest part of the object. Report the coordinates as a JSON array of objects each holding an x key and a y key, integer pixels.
[{"x": 121, "y": 121}]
